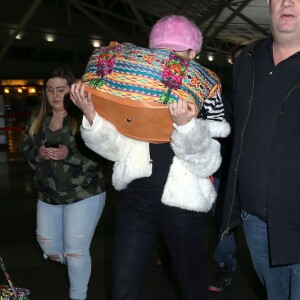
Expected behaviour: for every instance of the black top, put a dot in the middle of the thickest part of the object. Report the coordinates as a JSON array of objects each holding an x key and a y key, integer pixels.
[
  {"x": 252, "y": 171},
  {"x": 152, "y": 187},
  {"x": 266, "y": 106},
  {"x": 264, "y": 102}
]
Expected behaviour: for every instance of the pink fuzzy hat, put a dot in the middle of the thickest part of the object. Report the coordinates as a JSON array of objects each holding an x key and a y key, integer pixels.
[{"x": 176, "y": 33}]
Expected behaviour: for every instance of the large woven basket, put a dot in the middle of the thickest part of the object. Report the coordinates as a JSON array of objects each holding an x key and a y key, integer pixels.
[{"x": 131, "y": 87}]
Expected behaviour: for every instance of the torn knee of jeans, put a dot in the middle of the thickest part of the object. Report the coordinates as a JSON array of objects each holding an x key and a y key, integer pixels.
[
  {"x": 54, "y": 256},
  {"x": 73, "y": 255},
  {"x": 43, "y": 240}
]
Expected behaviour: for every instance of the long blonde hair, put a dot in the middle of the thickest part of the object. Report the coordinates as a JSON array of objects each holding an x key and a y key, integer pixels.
[{"x": 45, "y": 108}]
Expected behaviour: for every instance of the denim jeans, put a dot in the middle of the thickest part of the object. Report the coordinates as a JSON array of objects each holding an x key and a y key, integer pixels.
[
  {"x": 65, "y": 232},
  {"x": 225, "y": 251},
  {"x": 137, "y": 226},
  {"x": 281, "y": 282}
]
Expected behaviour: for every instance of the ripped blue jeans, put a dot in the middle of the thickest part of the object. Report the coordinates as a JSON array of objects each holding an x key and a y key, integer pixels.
[{"x": 65, "y": 232}]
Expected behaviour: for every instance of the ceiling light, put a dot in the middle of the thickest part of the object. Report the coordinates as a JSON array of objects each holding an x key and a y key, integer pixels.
[
  {"x": 49, "y": 38},
  {"x": 210, "y": 57},
  {"x": 96, "y": 44}
]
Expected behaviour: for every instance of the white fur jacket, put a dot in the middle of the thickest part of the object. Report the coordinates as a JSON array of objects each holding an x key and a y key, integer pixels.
[{"x": 197, "y": 156}]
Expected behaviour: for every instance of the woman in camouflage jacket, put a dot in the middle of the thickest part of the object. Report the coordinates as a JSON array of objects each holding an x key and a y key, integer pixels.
[{"x": 69, "y": 180}]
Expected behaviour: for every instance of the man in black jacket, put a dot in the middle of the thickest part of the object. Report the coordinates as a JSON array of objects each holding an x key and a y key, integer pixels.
[{"x": 263, "y": 187}]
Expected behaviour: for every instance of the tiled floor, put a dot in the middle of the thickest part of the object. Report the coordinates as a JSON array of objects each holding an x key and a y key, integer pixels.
[{"x": 48, "y": 280}]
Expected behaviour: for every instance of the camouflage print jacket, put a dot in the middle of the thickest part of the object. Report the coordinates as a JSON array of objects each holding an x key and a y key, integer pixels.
[{"x": 77, "y": 177}]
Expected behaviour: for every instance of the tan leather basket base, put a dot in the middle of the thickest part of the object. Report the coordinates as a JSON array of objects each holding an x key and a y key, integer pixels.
[{"x": 145, "y": 121}]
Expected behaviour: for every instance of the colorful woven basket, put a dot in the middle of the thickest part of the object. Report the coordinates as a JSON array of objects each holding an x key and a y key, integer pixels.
[{"x": 146, "y": 79}]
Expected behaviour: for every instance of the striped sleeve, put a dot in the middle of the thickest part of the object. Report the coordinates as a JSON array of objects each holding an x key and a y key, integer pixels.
[{"x": 213, "y": 108}]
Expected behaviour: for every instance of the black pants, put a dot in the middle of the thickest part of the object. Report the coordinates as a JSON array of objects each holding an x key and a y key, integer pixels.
[{"x": 138, "y": 223}]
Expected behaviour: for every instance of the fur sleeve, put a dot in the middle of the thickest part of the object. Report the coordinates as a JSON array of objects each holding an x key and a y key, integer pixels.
[
  {"x": 103, "y": 138},
  {"x": 131, "y": 157},
  {"x": 197, "y": 149}
]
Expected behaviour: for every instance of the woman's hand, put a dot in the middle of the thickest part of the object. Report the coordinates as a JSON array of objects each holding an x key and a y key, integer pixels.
[
  {"x": 182, "y": 112},
  {"x": 83, "y": 101},
  {"x": 57, "y": 153},
  {"x": 43, "y": 153}
]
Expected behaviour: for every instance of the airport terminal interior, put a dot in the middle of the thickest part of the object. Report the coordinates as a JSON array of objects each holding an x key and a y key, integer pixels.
[
  {"x": 35, "y": 37},
  {"x": 48, "y": 280}
]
